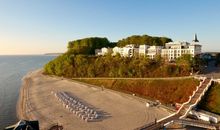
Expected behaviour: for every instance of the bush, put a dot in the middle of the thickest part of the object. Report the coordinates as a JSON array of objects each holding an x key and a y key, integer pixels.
[{"x": 211, "y": 100}]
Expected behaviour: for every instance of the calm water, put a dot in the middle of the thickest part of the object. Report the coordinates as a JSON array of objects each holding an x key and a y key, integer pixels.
[{"x": 12, "y": 69}]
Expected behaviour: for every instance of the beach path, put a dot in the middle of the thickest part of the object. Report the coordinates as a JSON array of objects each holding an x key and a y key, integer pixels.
[{"x": 118, "y": 111}]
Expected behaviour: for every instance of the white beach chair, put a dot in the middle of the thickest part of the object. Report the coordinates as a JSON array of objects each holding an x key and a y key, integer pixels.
[{"x": 96, "y": 116}]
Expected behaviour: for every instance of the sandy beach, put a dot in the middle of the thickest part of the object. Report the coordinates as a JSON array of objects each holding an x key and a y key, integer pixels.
[{"x": 119, "y": 111}]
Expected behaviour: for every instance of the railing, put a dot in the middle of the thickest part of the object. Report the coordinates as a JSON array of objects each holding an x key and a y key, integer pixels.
[
  {"x": 165, "y": 117},
  {"x": 200, "y": 96},
  {"x": 194, "y": 92},
  {"x": 190, "y": 98}
]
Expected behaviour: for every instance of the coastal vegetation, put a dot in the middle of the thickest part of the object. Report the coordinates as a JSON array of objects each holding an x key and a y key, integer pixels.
[
  {"x": 80, "y": 61},
  {"x": 87, "y": 46},
  {"x": 211, "y": 101},
  {"x": 144, "y": 39},
  {"x": 167, "y": 91},
  {"x": 108, "y": 66}
]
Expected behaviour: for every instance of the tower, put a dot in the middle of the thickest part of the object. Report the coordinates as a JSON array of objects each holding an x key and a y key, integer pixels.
[{"x": 195, "y": 38}]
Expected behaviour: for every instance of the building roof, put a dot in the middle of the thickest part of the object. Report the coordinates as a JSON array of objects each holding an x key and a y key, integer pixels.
[{"x": 178, "y": 42}]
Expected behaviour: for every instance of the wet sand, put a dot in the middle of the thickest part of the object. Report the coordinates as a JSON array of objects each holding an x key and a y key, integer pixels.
[{"x": 118, "y": 111}]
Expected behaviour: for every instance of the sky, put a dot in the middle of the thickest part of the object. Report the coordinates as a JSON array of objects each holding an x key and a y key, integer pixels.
[{"x": 46, "y": 26}]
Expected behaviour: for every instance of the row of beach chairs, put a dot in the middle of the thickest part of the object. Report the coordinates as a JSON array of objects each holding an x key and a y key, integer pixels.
[{"x": 76, "y": 107}]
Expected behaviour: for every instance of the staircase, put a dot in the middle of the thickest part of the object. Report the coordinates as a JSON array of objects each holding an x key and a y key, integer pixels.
[
  {"x": 196, "y": 97},
  {"x": 184, "y": 109}
]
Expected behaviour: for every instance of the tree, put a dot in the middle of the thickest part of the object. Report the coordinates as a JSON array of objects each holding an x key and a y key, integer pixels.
[
  {"x": 91, "y": 71},
  {"x": 79, "y": 61},
  {"x": 81, "y": 65},
  {"x": 144, "y": 39},
  {"x": 217, "y": 60},
  {"x": 87, "y": 46}
]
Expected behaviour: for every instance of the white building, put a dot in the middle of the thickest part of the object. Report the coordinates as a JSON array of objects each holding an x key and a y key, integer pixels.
[
  {"x": 171, "y": 51},
  {"x": 153, "y": 51},
  {"x": 143, "y": 50},
  {"x": 106, "y": 50},
  {"x": 117, "y": 50},
  {"x": 127, "y": 51},
  {"x": 103, "y": 51},
  {"x": 98, "y": 52},
  {"x": 176, "y": 49},
  {"x": 149, "y": 51}
]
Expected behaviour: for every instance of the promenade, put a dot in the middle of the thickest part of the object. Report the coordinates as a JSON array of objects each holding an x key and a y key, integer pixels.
[{"x": 116, "y": 111}]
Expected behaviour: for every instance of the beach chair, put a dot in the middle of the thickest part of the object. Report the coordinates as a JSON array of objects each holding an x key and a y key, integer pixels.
[{"x": 96, "y": 116}]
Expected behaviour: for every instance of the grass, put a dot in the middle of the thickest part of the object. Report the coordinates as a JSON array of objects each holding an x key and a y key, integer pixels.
[
  {"x": 166, "y": 91},
  {"x": 211, "y": 101}
]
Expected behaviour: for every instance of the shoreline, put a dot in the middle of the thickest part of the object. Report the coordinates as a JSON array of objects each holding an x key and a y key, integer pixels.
[
  {"x": 21, "y": 103},
  {"x": 125, "y": 112}
]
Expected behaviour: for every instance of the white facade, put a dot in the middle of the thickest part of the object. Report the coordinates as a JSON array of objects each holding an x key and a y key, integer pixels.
[
  {"x": 149, "y": 51},
  {"x": 195, "y": 48},
  {"x": 98, "y": 51},
  {"x": 127, "y": 51},
  {"x": 143, "y": 50},
  {"x": 117, "y": 50},
  {"x": 153, "y": 51},
  {"x": 103, "y": 51},
  {"x": 106, "y": 50},
  {"x": 174, "y": 50},
  {"x": 170, "y": 51}
]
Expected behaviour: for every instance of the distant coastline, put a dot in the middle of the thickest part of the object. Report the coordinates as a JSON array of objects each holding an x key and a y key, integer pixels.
[{"x": 53, "y": 54}]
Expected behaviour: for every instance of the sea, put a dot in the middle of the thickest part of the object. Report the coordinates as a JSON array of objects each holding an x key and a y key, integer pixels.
[{"x": 12, "y": 69}]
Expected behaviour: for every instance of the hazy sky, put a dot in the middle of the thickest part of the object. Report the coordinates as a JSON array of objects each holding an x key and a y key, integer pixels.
[{"x": 41, "y": 26}]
